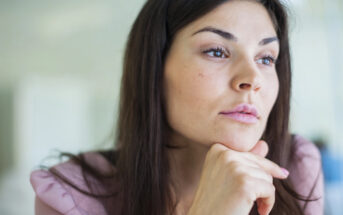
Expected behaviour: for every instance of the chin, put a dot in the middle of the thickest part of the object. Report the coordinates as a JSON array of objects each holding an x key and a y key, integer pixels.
[{"x": 241, "y": 143}]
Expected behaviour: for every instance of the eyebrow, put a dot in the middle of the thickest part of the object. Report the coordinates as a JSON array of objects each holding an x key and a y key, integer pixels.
[
  {"x": 230, "y": 36},
  {"x": 268, "y": 40}
]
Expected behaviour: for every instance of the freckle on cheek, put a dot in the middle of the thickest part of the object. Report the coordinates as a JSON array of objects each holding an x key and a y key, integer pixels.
[{"x": 201, "y": 75}]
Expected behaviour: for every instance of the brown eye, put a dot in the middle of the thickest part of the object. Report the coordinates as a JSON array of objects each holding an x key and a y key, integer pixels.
[{"x": 217, "y": 53}]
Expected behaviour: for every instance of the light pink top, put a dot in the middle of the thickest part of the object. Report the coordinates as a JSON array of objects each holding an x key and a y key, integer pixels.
[{"x": 53, "y": 197}]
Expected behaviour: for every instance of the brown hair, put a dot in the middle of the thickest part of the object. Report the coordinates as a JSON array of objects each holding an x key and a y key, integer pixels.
[{"x": 140, "y": 154}]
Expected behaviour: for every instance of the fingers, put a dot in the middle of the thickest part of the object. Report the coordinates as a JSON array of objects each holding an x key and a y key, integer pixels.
[
  {"x": 265, "y": 191},
  {"x": 256, "y": 173},
  {"x": 262, "y": 208},
  {"x": 260, "y": 148},
  {"x": 265, "y": 197},
  {"x": 272, "y": 168},
  {"x": 253, "y": 172}
]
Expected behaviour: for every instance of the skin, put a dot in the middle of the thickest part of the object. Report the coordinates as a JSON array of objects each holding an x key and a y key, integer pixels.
[{"x": 199, "y": 83}]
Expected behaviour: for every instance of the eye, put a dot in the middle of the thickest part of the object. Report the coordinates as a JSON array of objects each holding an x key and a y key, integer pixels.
[
  {"x": 267, "y": 60},
  {"x": 217, "y": 52}
]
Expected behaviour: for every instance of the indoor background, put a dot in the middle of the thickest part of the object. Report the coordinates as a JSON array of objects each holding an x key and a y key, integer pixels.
[{"x": 60, "y": 69}]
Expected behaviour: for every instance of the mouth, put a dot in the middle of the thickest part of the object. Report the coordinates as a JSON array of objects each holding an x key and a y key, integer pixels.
[{"x": 244, "y": 113}]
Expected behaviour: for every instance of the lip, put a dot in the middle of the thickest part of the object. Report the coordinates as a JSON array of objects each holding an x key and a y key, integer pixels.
[{"x": 245, "y": 113}]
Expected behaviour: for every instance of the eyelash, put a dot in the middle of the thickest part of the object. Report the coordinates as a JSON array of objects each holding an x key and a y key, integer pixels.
[
  {"x": 215, "y": 50},
  {"x": 226, "y": 55}
]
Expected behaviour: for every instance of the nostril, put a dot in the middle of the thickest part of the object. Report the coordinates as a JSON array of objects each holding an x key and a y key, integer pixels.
[{"x": 244, "y": 86}]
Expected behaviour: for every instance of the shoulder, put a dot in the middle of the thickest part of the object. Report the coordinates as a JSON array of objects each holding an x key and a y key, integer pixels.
[
  {"x": 306, "y": 173},
  {"x": 304, "y": 148},
  {"x": 54, "y": 193},
  {"x": 305, "y": 163}
]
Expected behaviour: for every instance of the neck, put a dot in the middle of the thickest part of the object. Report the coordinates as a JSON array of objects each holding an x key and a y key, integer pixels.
[{"x": 185, "y": 169}]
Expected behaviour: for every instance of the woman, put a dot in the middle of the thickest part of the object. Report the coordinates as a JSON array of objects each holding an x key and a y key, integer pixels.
[{"x": 203, "y": 126}]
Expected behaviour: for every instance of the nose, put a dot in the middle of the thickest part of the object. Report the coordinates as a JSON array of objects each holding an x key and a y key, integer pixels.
[{"x": 246, "y": 78}]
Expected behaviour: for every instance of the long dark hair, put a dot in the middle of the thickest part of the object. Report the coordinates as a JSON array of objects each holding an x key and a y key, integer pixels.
[{"x": 141, "y": 141}]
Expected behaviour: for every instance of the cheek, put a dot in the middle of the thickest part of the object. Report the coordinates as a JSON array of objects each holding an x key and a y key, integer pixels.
[
  {"x": 270, "y": 93},
  {"x": 275, "y": 87},
  {"x": 190, "y": 93},
  {"x": 189, "y": 84}
]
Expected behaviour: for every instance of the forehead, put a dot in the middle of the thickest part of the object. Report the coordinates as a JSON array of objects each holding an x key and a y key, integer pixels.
[{"x": 248, "y": 20}]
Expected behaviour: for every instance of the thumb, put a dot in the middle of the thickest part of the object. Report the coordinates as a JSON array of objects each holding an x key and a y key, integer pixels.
[{"x": 261, "y": 148}]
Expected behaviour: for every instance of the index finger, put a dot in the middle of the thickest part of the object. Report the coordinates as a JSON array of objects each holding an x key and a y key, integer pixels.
[{"x": 269, "y": 166}]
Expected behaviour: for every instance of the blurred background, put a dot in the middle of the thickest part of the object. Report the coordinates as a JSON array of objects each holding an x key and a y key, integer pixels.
[{"x": 60, "y": 69}]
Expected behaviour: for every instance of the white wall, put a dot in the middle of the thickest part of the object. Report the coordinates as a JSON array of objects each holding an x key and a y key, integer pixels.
[{"x": 60, "y": 61}]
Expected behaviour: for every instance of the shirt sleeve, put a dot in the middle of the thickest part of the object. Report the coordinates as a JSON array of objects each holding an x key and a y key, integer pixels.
[
  {"x": 56, "y": 196},
  {"x": 51, "y": 196},
  {"x": 43, "y": 209},
  {"x": 307, "y": 176}
]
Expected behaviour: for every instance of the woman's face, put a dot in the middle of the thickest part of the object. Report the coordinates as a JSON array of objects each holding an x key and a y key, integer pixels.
[{"x": 220, "y": 61}]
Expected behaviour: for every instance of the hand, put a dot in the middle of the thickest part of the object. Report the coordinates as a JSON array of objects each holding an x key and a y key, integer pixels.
[{"x": 232, "y": 181}]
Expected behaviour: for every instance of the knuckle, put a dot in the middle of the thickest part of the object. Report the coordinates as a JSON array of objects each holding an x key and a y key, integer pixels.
[
  {"x": 246, "y": 190},
  {"x": 235, "y": 167},
  {"x": 223, "y": 156},
  {"x": 215, "y": 149},
  {"x": 244, "y": 182},
  {"x": 228, "y": 156}
]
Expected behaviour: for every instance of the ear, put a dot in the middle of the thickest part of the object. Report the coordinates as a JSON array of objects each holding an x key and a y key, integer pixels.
[{"x": 261, "y": 148}]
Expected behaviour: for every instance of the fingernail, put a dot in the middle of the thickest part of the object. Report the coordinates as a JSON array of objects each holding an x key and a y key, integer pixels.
[{"x": 285, "y": 172}]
